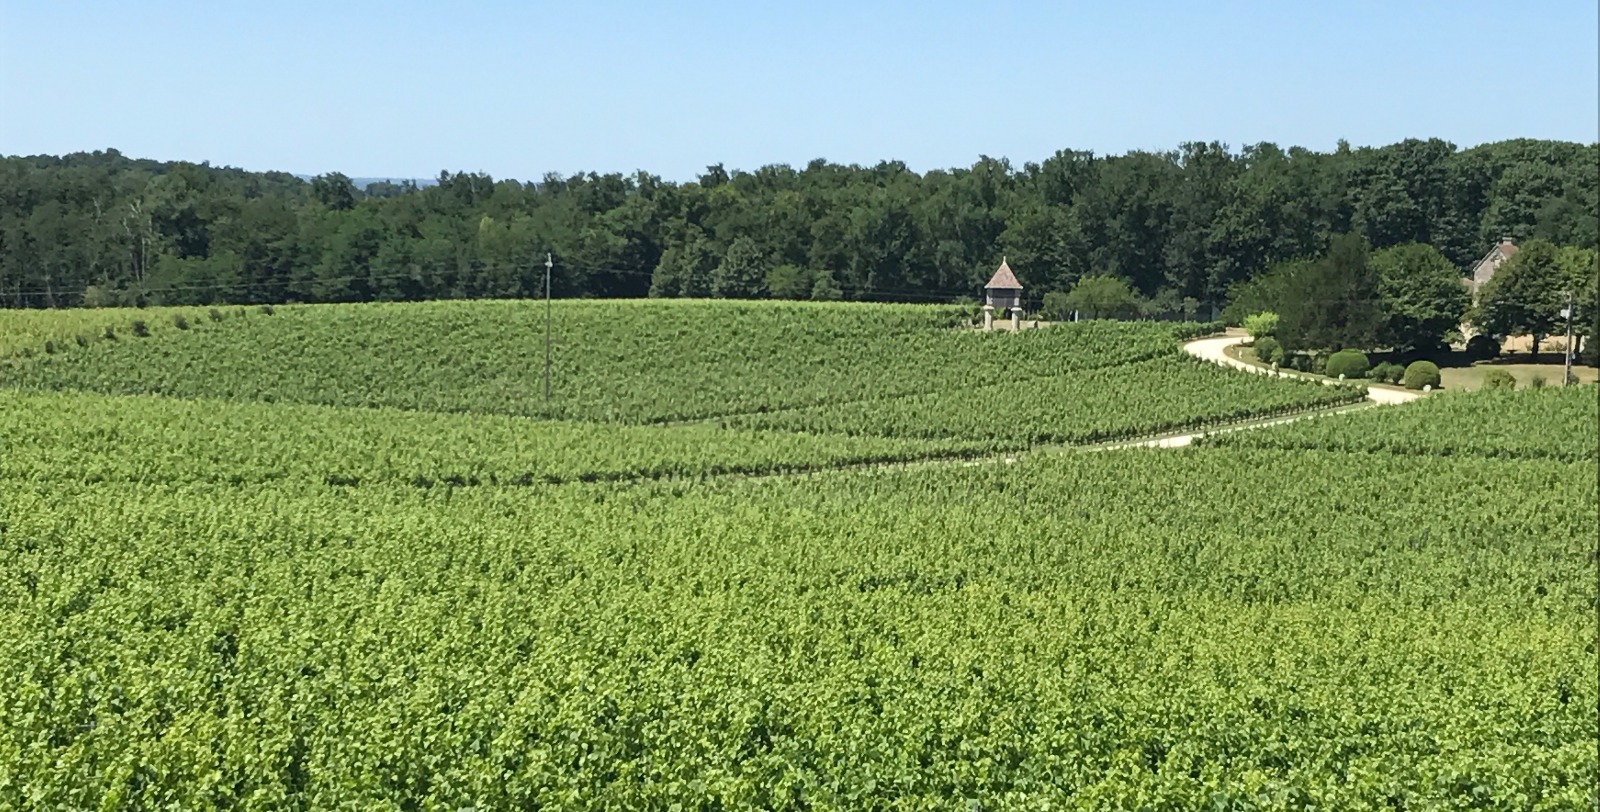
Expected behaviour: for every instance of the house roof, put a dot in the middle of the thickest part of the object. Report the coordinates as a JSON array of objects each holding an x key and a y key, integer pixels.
[
  {"x": 1506, "y": 248},
  {"x": 1485, "y": 268},
  {"x": 1004, "y": 279}
]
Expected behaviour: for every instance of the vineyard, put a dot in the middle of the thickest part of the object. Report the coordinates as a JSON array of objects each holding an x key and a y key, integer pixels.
[
  {"x": 773, "y": 645},
  {"x": 1085, "y": 407},
  {"x": 343, "y": 557},
  {"x": 77, "y": 437},
  {"x": 635, "y": 362},
  {"x": 26, "y": 333},
  {"x": 1560, "y": 424}
]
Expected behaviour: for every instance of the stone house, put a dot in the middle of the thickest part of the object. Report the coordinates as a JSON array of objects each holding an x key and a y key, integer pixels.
[{"x": 1484, "y": 270}]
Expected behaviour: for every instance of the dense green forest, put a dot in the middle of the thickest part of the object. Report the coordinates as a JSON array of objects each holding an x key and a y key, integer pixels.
[{"x": 104, "y": 229}]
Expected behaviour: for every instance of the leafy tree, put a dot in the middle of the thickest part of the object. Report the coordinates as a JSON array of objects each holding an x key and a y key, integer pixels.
[
  {"x": 1564, "y": 222},
  {"x": 789, "y": 282},
  {"x": 1102, "y": 296},
  {"x": 825, "y": 288},
  {"x": 1525, "y": 295},
  {"x": 1420, "y": 294},
  {"x": 1398, "y": 191},
  {"x": 1259, "y": 294},
  {"x": 1166, "y": 302},
  {"x": 334, "y": 190},
  {"x": 1036, "y": 239},
  {"x": 1197, "y": 250},
  {"x": 664, "y": 282},
  {"x": 1056, "y": 306},
  {"x": 695, "y": 269},
  {"x": 1326, "y": 303},
  {"x": 1122, "y": 222},
  {"x": 1581, "y": 269},
  {"x": 684, "y": 269},
  {"x": 742, "y": 272},
  {"x": 1521, "y": 192},
  {"x": 1261, "y": 324}
]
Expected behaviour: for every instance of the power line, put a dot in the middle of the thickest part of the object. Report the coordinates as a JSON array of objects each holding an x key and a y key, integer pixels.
[{"x": 420, "y": 275}]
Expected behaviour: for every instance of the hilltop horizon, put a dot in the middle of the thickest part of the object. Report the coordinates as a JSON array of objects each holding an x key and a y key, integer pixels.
[{"x": 361, "y": 180}]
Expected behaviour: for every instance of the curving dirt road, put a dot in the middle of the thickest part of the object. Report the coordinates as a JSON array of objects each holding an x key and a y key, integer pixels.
[{"x": 1213, "y": 350}]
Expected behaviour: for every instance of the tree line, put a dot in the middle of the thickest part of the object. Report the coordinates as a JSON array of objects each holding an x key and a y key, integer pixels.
[
  {"x": 1411, "y": 298},
  {"x": 1176, "y": 228}
]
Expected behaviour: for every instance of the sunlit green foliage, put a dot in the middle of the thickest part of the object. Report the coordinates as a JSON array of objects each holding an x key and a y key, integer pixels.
[
  {"x": 239, "y": 604},
  {"x": 41, "y": 332},
  {"x": 1087, "y": 631},
  {"x": 1083, "y": 407},
  {"x": 615, "y": 361},
  {"x": 1560, "y": 424},
  {"x": 79, "y": 437}
]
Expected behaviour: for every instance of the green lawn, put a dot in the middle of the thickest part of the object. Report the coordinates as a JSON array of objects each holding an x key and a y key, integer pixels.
[{"x": 1471, "y": 377}]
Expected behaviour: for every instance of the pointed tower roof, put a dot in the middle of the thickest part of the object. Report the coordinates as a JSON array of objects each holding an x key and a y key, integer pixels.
[{"x": 1004, "y": 279}]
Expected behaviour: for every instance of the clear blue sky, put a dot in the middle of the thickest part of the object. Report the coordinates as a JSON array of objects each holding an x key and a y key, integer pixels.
[{"x": 408, "y": 88}]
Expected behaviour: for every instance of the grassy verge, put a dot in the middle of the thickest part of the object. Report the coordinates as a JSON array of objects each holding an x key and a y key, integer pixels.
[{"x": 1471, "y": 377}]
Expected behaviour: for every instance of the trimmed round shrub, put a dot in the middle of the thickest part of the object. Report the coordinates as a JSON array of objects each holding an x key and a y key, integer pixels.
[
  {"x": 1350, "y": 363},
  {"x": 1498, "y": 379},
  {"x": 1482, "y": 348},
  {"x": 1265, "y": 346},
  {"x": 140, "y": 329},
  {"x": 180, "y": 322},
  {"x": 1420, "y": 374}
]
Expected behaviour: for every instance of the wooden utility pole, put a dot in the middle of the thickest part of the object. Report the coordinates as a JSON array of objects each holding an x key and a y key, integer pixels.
[
  {"x": 1566, "y": 375},
  {"x": 548, "y": 264}
]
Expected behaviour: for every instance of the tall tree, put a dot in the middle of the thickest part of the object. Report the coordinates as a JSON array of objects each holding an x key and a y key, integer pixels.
[
  {"x": 1525, "y": 295},
  {"x": 742, "y": 272},
  {"x": 1328, "y": 303},
  {"x": 334, "y": 190},
  {"x": 789, "y": 282},
  {"x": 1581, "y": 269},
  {"x": 1420, "y": 293},
  {"x": 1101, "y": 297},
  {"x": 685, "y": 268}
]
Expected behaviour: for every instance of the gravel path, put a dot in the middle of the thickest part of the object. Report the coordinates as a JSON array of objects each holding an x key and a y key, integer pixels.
[
  {"x": 1214, "y": 350},
  {"x": 1210, "y": 349}
]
